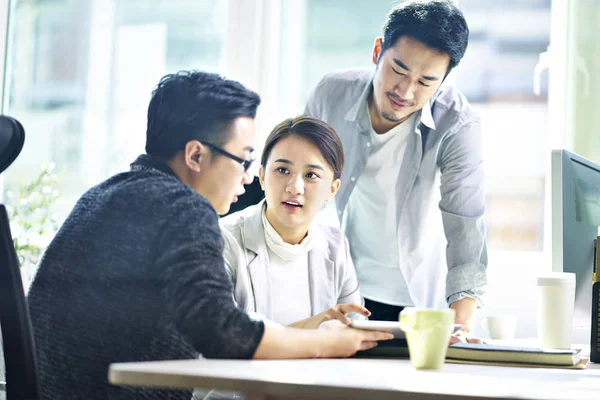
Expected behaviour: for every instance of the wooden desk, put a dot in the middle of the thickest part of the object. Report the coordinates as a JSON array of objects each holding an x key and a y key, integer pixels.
[{"x": 363, "y": 379}]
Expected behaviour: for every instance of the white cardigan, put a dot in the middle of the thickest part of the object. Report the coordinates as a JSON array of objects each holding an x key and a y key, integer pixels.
[{"x": 332, "y": 278}]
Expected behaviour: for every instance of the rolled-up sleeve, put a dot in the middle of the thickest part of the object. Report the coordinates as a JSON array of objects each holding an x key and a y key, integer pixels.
[{"x": 462, "y": 205}]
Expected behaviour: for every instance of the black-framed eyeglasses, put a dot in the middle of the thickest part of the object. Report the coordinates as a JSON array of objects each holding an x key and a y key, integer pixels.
[{"x": 245, "y": 163}]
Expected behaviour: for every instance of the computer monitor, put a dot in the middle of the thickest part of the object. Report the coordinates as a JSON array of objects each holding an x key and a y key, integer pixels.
[{"x": 575, "y": 221}]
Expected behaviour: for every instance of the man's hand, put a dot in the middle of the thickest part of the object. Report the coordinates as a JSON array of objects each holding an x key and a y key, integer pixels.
[
  {"x": 333, "y": 339},
  {"x": 339, "y": 312},
  {"x": 465, "y": 311},
  {"x": 464, "y": 337},
  {"x": 343, "y": 341}
]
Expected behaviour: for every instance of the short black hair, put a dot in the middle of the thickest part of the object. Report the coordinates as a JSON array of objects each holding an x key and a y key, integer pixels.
[
  {"x": 195, "y": 105},
  {"x": 436, "y": 23},
  {"x": 320, "y": 133}
]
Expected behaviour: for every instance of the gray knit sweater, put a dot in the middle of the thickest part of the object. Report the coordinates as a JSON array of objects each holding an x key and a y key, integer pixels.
[{"x": 134, "y": 274}]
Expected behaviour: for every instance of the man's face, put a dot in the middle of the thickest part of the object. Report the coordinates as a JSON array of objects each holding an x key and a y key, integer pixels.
[
  {"x": 407, "y": 76},
  {"x": 223, "y": 179}
]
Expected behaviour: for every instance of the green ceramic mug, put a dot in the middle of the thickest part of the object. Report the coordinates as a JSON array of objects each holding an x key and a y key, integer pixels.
[{"x": 428, "y": 335}]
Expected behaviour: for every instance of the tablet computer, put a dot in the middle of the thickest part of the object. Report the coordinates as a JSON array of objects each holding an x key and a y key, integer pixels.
[{"x": 386, "y": 326}]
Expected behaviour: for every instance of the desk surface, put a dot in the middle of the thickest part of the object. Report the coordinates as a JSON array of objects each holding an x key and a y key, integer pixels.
[{"x": 363, "y": 378}]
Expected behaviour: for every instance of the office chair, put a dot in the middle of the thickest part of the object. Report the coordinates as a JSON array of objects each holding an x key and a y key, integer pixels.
[
  {"x": 253, "y": 195},
  {"x": 17, "y": 335}
]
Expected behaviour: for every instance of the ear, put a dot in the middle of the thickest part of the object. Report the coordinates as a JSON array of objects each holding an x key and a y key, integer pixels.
[
  {"x": 377, "y": 49},
  {"x": 335, "y": 186},
  {"x": 194, "y": 155},
  {"x": 261, "y": 178}
]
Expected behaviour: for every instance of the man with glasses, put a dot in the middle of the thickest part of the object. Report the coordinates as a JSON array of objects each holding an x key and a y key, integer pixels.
[
  {"x": 411, "y": 200},
  {"x": 246, "y": 163},
  {"x": 136, "y": 271}
]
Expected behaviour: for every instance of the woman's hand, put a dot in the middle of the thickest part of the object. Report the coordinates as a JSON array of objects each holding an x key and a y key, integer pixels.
[{"x": 339, "y": 312}]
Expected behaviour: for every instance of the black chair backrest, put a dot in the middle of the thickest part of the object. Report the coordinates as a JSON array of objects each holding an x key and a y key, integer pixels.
[
  {"x": 17, "y": 334},
  {"x": 12, "y": 138},
  {"x": 253, "y": 195}
]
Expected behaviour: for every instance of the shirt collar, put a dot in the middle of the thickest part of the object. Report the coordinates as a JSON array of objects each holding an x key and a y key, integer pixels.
[
  {"x": 149, "y": 162},
  {"x": 426, "y": 116},
  {"x": 354, "y": 114}
]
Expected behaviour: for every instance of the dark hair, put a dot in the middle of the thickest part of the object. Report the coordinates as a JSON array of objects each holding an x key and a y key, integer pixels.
[
  {"x": 314, "y": 130},
  {"x": 194, "y": 105},
  {"x": 437, "y": 23}
]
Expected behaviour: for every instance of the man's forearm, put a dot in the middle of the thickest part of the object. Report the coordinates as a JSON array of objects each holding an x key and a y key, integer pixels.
[
  {"x": 465, "y": 310},
  {"x": 286, "y": 343},
  {"x": 307, "y": 323}
]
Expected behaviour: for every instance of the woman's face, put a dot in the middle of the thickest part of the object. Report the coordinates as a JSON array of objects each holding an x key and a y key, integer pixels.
[{"x": 297, "y": 182}]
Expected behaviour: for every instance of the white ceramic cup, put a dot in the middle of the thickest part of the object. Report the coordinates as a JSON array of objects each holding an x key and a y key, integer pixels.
[
  {"x": 555, "y": 304},
  {"x": 500, "y": 327}
]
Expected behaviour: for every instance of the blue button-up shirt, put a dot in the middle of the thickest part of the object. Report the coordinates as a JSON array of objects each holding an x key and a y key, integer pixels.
[{"x": 439, "y": 191}]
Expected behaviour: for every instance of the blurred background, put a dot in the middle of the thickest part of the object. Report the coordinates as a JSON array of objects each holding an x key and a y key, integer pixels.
[{"x": 79, "y": 74}]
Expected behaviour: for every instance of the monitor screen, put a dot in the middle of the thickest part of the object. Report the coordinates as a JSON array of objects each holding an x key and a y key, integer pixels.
[{"x": 575, "y": 221}]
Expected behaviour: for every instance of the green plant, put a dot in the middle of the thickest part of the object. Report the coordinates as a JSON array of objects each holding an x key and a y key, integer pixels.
[{"x": 30, "y": 212}]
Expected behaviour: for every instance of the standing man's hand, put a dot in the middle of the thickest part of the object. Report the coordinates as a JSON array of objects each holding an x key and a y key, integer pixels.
[{"x": 465, "y": 312}]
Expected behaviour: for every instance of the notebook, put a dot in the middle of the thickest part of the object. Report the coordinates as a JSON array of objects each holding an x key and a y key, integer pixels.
[
  {"x": 488, "y": 354},
  {"x": 491, "y": 353},
  {"x": 581, "y": 365}
]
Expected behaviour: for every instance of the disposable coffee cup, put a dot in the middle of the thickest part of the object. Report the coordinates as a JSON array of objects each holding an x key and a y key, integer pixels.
[{"x": 555, "y": 304}]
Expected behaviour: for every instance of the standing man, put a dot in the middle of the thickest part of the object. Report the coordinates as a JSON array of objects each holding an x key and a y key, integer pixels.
[{"x": 414, "y": 169}]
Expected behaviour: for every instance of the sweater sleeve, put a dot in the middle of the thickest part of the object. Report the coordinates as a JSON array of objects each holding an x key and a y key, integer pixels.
[{"x": 198, "y": 289}]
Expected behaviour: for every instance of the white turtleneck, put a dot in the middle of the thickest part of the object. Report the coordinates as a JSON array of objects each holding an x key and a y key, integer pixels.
[{"x": 289, "y": 277}]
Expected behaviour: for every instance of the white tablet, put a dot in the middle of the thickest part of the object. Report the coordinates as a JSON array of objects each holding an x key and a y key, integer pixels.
[{"x": 386, "y": 326}]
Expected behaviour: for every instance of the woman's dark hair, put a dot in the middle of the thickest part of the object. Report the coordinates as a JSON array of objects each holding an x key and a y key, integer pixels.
[
  {"x": 436, "y": 23},
  {"x": 314, "y": 130},
  {"x": 195, "y": 105}
]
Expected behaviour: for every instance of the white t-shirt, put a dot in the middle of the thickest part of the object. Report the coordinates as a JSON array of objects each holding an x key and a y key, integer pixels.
[
  {"x": 371, "y": 224},
  {"x": 288, "y": 276}
]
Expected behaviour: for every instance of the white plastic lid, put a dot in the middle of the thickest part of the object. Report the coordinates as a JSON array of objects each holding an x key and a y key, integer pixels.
[{"x": 557, "y": 279}]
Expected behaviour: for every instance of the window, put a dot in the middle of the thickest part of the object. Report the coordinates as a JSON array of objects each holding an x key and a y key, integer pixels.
[
  {"x": 318, "y": 37},
  {"x": 79, "y": 78},
  {"x": 496, "y": 76}
]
